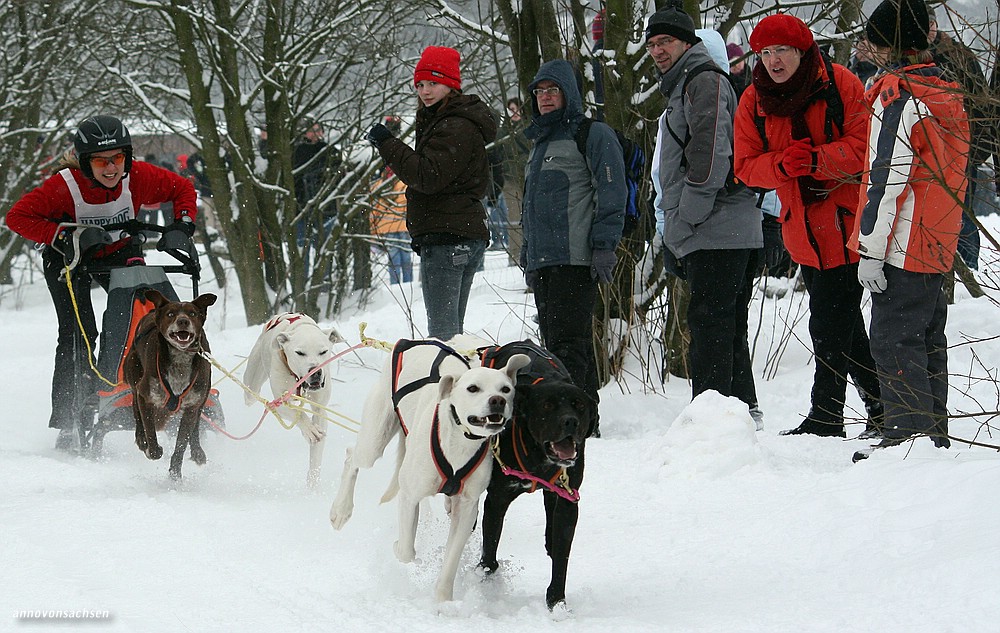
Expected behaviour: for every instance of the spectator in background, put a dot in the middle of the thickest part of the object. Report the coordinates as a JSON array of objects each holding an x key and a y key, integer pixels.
[
  {"x": 959, "y": 64},
  {"x": 496, "y": 204},
  {"x": 813, "y": 167},
  {"x": 739, "y": 69},
  {"x": 196, "y": 170},
  {"x": 447, "y": 175},
  {"x": 313, "y": 163},
  {"x": 914, "y": 177},
  {"x": 861, "y": 63},
  {"x": 515, "y": 147},
  {"x": 388, "y": 223},
  {"x": 388, "y": 217}
]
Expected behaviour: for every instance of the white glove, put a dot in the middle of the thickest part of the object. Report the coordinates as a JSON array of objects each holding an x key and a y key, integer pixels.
[{"x": 870, "y": 274}]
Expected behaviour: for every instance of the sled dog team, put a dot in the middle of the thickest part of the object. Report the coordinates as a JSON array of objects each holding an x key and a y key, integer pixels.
[{"x": 505, "y": 422}]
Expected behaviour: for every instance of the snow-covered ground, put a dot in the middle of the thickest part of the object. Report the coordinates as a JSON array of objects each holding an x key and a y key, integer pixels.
[{"x": 689, "y": 520}]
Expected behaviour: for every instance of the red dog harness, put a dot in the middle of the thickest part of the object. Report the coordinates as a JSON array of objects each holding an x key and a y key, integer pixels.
[{"x": 452, "y": 481}]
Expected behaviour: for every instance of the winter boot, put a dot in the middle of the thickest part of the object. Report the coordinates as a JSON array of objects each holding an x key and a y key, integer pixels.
[
  {"x": 812, "y": 426},
  {"x": 887, "y": 442},
  {"x": 876, "y": 416},
  {"x": 67, "y": 439}
]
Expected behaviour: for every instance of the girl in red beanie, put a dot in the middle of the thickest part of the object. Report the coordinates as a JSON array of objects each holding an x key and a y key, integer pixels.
[
  {"x": 446, "y": 173},
  {"x": 812, "y": 161}
]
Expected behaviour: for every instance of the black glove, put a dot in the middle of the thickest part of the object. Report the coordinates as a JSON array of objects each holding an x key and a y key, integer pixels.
[
  {"x": 76, "y": 243},
  {"x": 602, "y": 264},
  {"x": 378, "y": 134},
  {"x": 185, "y": 226},
  {"x": 530, "y": 278},
  {"x": 672, "y": 264},
  {"x": 774, "y": 247}
]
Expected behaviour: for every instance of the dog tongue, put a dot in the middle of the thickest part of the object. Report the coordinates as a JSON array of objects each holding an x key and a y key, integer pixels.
[{"x": 566, "y": 449}]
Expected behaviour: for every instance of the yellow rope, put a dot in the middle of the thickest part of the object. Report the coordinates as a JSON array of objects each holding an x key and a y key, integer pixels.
[
  {"x": 274, "y": 410},
  {"x": 386, "y": 346},
  {"x": 83, "y": 331}
]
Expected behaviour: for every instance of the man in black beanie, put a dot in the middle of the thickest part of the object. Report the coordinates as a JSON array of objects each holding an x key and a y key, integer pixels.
[
  {"x": 910, "y": 217},
  {"x": 710, "y": 227}
]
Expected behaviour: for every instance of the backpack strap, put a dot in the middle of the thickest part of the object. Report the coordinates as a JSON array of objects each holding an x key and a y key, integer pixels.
[
  {"x": 694, "y": 72},
  {"x": 582, "y": 134},
  {"x": 834, "y": 109},
  {"x": 834, "y": 104}
]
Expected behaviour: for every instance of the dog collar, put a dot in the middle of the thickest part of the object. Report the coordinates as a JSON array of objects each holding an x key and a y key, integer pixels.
[
  {"x": 452, "y": 481},
  {"x": 558, "y": 483},
  {"x": 458, "y": 422}
]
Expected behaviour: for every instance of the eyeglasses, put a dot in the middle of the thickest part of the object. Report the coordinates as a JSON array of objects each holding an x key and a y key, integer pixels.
[
  {"x": 777, "y": 51},
  {"x": 660, "y": 42},
  {"x": 101, "y": 162},
  {"x": 553, "y": 91}
]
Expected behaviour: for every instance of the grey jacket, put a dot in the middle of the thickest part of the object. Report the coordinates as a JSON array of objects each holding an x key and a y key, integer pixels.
[
  {"x": 699, "y": 214},
  {"x": 573, "y": 204}
]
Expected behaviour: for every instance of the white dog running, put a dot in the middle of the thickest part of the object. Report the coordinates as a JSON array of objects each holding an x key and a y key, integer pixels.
[
  {"x": 446, "y": 412},
  {"x": 290, "y": 346}
]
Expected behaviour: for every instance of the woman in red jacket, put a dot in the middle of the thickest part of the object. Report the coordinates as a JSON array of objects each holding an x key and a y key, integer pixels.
[
  {"x": 99, "y": 184},
  {"x": 811, "y": 155}
]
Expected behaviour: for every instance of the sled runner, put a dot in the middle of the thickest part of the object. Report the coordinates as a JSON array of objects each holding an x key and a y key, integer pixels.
[{"x": 126, "y": 306}]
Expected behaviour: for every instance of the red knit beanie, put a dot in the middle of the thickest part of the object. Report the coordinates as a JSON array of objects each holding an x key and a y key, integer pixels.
[
  {"x": 781, "y": 29},
  {"x": 439, "y": 64}
]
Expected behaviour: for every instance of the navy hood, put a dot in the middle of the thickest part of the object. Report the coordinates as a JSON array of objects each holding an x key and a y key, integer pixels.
[{"x": 561, "y": 72}]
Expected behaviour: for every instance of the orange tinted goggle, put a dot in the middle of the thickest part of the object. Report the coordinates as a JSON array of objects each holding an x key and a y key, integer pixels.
[{"x": 100, "y": 162}]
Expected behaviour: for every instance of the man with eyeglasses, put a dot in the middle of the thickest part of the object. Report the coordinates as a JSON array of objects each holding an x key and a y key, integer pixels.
[
  {"x": 572, "y": 216},
  {"x": 99, "y": 185},
  {"x": 711, "y": 229}
]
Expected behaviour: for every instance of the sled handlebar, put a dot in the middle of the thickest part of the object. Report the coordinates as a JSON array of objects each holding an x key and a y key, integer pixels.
[{"x": 175, "y": 243}]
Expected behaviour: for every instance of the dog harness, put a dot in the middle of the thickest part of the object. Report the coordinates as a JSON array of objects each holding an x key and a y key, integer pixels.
[
  {"x": 558, "y": 481},
  {"x": 173, "y": 399},
  {"x": 452, "y": 481},
  {"x": 434, "y": 376}
]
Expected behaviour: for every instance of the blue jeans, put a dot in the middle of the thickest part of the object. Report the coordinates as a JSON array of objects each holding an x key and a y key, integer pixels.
[
  {"x": 498, "y": 221},
  {"x": 446, "y": 272},
  {"x": 400, "y": 262}
]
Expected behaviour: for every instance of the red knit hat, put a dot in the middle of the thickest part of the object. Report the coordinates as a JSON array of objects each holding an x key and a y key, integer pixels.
[
  {"x": 439, "y": 64},
  {"x": 781, "y": 29}
]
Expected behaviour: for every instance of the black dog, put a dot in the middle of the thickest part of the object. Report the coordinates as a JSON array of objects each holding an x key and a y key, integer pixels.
[{"x": 543, "y": 447}]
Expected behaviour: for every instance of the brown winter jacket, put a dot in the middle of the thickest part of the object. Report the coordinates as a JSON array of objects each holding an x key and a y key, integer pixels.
[{"x": 447, "y": 172}]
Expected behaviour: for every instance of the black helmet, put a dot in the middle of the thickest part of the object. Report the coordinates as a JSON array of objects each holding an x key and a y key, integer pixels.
[{"x": 99, "y": 133}]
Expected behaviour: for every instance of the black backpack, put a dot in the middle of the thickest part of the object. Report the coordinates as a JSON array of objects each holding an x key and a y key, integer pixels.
[
  {"x": 635, "y": 167},
  {"x": 733, "y": 184}
]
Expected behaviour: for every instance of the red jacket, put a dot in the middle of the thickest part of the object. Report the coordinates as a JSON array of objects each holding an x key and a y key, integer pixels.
[
  {"x": 38, "y": 213},
  {"x": 815, "y": 235},
  {"x": 911, "y": 214}
]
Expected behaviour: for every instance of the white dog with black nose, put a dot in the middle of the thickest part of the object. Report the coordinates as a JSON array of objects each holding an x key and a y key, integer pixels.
[
  {"x": 446, "y": 414},
  {"x": 291, "y": 346}
]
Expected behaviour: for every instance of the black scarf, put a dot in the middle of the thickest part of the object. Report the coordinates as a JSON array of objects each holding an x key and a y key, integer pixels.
[{"x": 791, "y": 99}]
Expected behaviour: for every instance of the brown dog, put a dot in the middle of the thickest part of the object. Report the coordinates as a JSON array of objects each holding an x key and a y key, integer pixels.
[{"x": 168, "y": 376}]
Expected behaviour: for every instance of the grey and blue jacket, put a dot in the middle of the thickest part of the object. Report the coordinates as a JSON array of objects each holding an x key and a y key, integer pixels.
[
  {"x": 690, "y": 182},
  {"x": 573, "y": 204}
]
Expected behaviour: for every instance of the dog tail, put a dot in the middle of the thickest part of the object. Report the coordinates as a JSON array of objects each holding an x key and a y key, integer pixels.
[{"x": 390, "y": 492}]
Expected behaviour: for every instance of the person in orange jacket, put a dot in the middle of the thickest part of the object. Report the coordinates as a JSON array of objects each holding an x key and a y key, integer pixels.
[
  {"x": 812, "y": 161},
  {"x": 911, "y": 217},
  {"x": 388, "y": 223},
  {"x": 100, "y": 184}
]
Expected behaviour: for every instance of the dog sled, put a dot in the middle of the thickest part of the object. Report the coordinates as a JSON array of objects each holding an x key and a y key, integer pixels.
[{"x": 126, "y": 306}]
